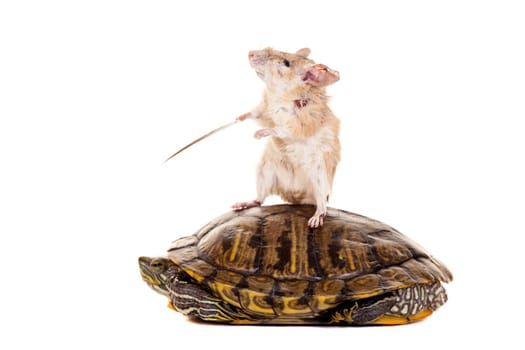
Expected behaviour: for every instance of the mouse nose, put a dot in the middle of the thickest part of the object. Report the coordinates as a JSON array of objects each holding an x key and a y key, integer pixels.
[{"x": 258, "y": 57}]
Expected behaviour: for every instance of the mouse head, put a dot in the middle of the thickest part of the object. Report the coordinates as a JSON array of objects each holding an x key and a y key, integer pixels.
[{"x": 290, "y": 70}]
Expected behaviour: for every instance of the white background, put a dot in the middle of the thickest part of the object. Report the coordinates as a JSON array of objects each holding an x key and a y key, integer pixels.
[{"x": 94, "y": 95}]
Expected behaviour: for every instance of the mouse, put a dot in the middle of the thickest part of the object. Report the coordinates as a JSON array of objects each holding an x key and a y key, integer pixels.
[{"x": 303, "y": 149}]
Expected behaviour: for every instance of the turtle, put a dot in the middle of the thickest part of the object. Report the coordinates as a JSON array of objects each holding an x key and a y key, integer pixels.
[{"x": 265, "y": 265}]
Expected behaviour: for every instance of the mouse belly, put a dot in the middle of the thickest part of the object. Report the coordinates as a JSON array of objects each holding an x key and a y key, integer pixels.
[
  {"x": 295, "y": 188},
  {"x": 291, "y": 171}
]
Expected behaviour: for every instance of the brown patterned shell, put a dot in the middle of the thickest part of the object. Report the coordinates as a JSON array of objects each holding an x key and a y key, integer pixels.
[{"x": 268, "y": 262}]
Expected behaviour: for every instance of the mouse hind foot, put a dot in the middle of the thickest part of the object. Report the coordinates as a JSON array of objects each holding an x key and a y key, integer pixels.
[
  {"x": 246, "y": 205},
  {"x": 316, "y": 220}
]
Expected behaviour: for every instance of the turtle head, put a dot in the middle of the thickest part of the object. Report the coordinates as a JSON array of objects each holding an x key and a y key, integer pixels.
[{"x": 158, "y": 273}]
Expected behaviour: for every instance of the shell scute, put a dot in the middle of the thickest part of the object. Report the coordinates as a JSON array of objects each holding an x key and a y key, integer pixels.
[
  {"x": 183, "y": 242},
  {"x": 228, "y": 245},
  {"x": 437, "y": 269},
  {"x": 256, "y": 303},
  {"x": 183, "y": 255},
  {"x": 262, "y": 284},
  {"x": 419, "y": 271},
  {"x": 395, "y": 277},
  {"x": 364, "y": 286},
  {"x": 198, "y": 269},
  {"x": 344, "y": 251},
  {"x": 285, "y": 247},
  {"x": 326, "y": 294},
  {"x": 225, "y": 291},
  {"x": 389, "y": 251}
]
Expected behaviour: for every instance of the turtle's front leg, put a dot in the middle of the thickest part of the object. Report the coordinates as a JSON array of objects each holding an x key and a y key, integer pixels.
[{"x": 192, "y": 300}]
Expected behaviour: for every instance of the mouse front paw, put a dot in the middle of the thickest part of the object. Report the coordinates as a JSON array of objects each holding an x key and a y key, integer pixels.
[{"x": 259, "y": 134}]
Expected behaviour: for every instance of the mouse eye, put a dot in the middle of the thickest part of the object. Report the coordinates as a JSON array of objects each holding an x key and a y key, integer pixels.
[{"x": 286, "y": 63}]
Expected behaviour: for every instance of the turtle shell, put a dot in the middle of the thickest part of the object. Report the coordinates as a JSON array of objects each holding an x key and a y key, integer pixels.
[{"x": 269, "y": 263}]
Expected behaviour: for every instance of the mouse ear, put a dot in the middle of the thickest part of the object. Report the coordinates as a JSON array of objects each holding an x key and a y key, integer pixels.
[
  {"x": 320, "y": 75},
  {"x": 303, "y": 52}
]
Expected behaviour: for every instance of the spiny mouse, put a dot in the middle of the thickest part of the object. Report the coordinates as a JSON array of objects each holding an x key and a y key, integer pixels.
[{"x": 303, "y": 148}]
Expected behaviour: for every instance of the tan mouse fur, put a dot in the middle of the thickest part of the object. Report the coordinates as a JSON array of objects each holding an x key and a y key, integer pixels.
[{"x": 303, "y": 148}]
